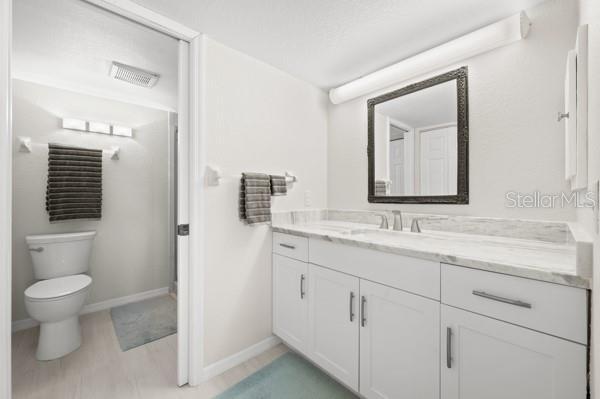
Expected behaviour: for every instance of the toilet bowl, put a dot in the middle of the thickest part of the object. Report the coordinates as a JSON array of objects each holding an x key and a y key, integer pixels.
[
  {"x": 59, "y": 261},
  {"x": 56, "y": 304}
]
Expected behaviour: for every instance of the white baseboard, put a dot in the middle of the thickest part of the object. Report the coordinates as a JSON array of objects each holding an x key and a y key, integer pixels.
[
  {"x": 98, "y": 306},
  {"x": 229, "y": 362}
]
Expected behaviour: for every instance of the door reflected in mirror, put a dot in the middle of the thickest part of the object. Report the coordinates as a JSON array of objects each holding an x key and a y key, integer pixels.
[{"x": 418, "y": 142}]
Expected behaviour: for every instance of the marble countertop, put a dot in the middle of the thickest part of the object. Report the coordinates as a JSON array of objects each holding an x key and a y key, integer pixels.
[{"x": 539, "y": 260}]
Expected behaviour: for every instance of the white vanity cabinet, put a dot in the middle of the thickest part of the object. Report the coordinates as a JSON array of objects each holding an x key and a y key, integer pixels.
[
  {"x": 392, "y": 326},
  {"x": 333, "y": 323},
  {"x": 290, "y": 303},
  {"x": 399, "y": 344},
  {"x": 491, "y": 359}
]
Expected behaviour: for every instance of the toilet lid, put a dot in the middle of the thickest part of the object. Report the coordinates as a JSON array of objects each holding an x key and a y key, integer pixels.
[{"x": 57, "y": 287}]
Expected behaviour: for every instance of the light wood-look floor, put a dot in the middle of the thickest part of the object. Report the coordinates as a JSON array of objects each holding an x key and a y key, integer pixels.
[{"x": 100, "y": 370}]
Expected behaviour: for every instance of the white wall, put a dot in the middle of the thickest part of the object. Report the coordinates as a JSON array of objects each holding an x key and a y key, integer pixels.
[
  {"x": 130, "y": 252},
  {"x": 515, "y": 142},
  {"x": 259, "y": 119},
  {"x": 590, "y": 14}
]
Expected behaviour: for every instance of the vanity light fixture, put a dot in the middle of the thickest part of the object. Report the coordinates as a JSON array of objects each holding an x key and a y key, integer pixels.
[
  {"x": 122, "y": 131},
  {"x": 498, "y": 34},
  {"x": 74, "y": 124},
  {"x": 99, "y": 127},
  {"x": 96, "y": 127}
]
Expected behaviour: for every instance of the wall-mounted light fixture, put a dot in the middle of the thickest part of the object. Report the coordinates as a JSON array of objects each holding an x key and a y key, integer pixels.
[
  {"x": 122, "y": 131},
  {"x": 498, "y": 34},
  {"x": 74, "y": 124},
  {"x": 96, "y": 127}
]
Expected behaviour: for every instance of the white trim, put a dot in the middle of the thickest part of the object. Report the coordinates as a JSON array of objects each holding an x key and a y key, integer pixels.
[
  {"x": 197, "y": 168},
  {"x": 234, "y": 360},
  {"x": 98, "y": 306},
  {"x": 147, "y": 17},
  {"x": 183, "y": 209},
  {"x": 5, "y": 196}
]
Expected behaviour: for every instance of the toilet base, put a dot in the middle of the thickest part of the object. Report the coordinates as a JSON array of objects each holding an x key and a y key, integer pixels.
[{"x": 58, "y": 339}]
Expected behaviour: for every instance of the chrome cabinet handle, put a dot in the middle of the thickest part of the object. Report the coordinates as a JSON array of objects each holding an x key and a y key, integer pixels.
[
  {"x": 302, "y": 278},
  {"x": 363, "y": 317},
  {"x": 38, "y": 249},
  {"x": 449, "y": 347},
  {"x": 351, "y": 306},
  {"x": 509, "y": 301},
  {"x": 288, "y": 246}
]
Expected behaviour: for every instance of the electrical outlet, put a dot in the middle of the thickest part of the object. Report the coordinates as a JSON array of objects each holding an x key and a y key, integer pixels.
[{"x": 307, "y": 199}]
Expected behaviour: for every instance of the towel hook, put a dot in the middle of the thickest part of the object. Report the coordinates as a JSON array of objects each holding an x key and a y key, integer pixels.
[{"x": 562, "y": 115}]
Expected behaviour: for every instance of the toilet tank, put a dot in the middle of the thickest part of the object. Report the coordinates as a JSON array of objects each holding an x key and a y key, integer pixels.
[{"x": 58, "y": 255}]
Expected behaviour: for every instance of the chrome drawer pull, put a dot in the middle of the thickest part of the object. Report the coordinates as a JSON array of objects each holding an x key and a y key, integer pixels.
[
  {"x": 288, "y": 246},
  {"x": 514, "y": 302},
  {"x": 351, "y": 306},
  {"x": 39, "y": 249},
  {"x": 449, "y": 347},
  {"x": 302, "y": 293},
  {"x": 363, "y": 316}
]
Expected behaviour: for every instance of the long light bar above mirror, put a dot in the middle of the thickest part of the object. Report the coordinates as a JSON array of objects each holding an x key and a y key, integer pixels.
[{"x": 498, "y": 34}]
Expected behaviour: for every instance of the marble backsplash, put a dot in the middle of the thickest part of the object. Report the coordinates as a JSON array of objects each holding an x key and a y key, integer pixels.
[{"x": 554, "y": 232}]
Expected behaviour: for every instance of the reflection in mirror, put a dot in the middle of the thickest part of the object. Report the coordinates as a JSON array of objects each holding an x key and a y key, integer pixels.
[
  {"x": 418, "y": 142},
  {"x": 415, "y": 143}
]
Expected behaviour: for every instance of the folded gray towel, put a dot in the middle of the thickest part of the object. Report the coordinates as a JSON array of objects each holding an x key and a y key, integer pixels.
[
  {"x": 255, "y": 198},
  {"x": 381, "y": 188},
  {"x": 278, "y": 185},
  {"x": 74, "y": 189}
]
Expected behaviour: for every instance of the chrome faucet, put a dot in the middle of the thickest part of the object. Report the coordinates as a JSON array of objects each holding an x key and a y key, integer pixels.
[
  {"x": 414, "y": 227},
  {"x": 397, "y": 220},
  {"x": 384, "y": 221}
]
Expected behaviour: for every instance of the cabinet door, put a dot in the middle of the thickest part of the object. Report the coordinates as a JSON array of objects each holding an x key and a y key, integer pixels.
[
  {"x": 487, "y": 358},
  {"x": 290, "y": 303},
  {"x": 399, "y": 344},
  {"x": 333, "y": 323}
]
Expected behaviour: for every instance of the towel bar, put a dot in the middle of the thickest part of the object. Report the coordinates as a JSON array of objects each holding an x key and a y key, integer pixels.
[
  {"x": 213, "y": 176},
  {"x": 26, "y": 146}
]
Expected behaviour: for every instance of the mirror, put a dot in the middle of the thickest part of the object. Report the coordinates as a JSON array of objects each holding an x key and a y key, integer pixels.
[{"x": 418, "y": 142}]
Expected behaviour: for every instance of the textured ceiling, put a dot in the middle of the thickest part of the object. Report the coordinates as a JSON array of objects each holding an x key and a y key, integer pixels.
[
  {"x": 330, "y": 42},
  {"x": 71, "y": 44}
]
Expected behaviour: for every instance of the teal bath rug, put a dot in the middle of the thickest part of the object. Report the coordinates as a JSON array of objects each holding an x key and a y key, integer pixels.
[
  {"x": 288, "y": 377},
  {"x": 145, "y": 321}
]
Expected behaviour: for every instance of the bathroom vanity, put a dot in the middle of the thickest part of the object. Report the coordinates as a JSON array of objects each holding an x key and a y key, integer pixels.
[{"x": 432, "y": 315}]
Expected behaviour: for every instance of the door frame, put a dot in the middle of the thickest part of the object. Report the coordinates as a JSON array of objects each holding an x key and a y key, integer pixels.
[{"x": 193, "y": 304}]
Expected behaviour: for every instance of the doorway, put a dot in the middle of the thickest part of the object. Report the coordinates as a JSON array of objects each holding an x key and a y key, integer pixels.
[{"x": 184, "y": 49}]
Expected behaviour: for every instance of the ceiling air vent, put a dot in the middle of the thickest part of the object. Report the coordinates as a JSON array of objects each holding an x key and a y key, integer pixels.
[{"x": 133, "y": 75}]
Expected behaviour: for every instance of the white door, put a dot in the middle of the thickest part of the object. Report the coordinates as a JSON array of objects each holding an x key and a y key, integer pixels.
[
  {"x": 399, "y": 344},
  {"x": 333, "y": 323},
  {"x": 290, "y": 302},
  {"x": 438, "y": 161},
  {"x": 183, "y": 183},
  {"x": 483, "y": 358},
  {"x": 397, "y": 166}
]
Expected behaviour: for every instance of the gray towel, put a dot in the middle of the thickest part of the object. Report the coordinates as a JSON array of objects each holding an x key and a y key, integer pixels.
[
  {"x": 74, "y": 189},
  {"x": 255, "y": 198},
  {"x": 278, "y": 185},
  {"x": 381, "y": 187}
]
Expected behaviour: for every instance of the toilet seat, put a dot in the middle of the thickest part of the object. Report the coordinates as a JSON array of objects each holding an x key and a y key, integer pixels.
[{"x": 57, "y": 288}]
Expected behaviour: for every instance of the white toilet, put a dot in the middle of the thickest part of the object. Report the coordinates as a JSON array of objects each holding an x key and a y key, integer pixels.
[{"x": 59, "y": 261}]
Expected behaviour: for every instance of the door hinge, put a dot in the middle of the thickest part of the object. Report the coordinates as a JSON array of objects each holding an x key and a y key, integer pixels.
[{"x": 183, "y": 229}]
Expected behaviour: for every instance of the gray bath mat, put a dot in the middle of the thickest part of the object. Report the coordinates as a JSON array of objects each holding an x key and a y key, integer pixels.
[{"x": 145, "y": 321}]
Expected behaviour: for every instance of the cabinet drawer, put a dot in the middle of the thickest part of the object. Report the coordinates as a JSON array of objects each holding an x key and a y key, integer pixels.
[
  {"x": 550, "y": 308},
  {"x": 414, "y": 275},
  {"x": 291, "y": 246}
]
